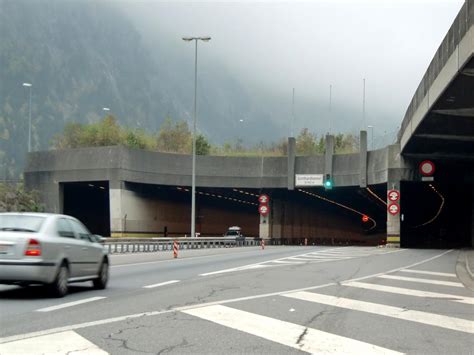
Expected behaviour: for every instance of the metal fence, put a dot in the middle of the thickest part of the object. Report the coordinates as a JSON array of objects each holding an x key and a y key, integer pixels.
[
  {"x": 463, "y": 22},
  {"x": 149, "y": 246}
]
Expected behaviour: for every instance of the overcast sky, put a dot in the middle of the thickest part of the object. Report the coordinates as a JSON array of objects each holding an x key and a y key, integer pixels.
[{"x": 274, "y": 46}]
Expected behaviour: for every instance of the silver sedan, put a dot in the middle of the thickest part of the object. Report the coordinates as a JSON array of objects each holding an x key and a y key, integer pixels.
[{"x": 50, "y": 249}]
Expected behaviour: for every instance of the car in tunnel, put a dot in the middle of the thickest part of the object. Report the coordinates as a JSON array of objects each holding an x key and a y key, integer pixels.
[
  {"x": 50, "y": 249},
  {"x": 235, "y": 232}
]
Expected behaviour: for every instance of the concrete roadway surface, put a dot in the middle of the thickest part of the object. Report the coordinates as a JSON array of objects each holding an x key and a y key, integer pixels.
[{"x": 281, "y": 300}]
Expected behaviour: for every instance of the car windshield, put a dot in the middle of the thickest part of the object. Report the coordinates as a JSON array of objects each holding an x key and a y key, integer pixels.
[
  {"x": 21, "y": 223},
  {"x": 232, "y": 233}
]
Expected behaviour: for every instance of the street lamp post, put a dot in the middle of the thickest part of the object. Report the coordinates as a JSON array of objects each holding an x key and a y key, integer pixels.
[
  {"x": 193, "y": 178},
  {"x": 29, "y": 86},
  {"x": 372, "y": 135}
]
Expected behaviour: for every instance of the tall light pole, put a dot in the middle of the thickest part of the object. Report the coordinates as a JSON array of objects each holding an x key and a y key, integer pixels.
[
  {"x": 372, "y": 135},
  {"x": 293, "y": 115},
  {"x": 29, "y": 86},
  {"x": 193, "y": 178},
  {"x": 330, "y": 109},
  {"x": 363, "y": 104}
]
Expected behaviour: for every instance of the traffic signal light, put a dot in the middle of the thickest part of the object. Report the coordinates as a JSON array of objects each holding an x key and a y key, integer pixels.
[{"x": 328, "y": 182}]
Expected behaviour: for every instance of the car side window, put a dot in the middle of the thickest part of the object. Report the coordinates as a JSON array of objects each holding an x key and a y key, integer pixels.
[
  {"x": 65, "y": 229},
  {"x": 81, "y": 231}
]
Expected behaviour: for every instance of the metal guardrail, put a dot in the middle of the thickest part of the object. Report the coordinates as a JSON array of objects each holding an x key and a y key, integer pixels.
[{"x": 153, "y": 245}]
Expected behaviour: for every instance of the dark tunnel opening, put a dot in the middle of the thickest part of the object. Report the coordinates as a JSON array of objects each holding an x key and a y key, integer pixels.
[{"x": 89, "y": 202}]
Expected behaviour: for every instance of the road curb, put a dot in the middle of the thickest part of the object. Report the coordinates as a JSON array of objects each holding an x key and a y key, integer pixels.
[{"x": 468, "y": 267}]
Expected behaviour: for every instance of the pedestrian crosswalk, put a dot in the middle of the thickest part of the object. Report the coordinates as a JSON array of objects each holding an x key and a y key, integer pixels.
[
  {"x": 424, "y": 312},
  {"x": 410, "y": 310},
  {"x": 319, "y": 256}
]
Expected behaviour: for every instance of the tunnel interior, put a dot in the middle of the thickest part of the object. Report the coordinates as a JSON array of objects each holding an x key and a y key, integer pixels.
[
  {"x": 314, "y": 213},
  {"x": 88, "y": 202},
  {"x": 438, "y": 214}
]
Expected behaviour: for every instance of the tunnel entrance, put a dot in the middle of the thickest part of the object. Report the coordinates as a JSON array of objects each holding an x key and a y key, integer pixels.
[
  {"x": 89, "y": 202},
  {"x": 436, "y": 214}
]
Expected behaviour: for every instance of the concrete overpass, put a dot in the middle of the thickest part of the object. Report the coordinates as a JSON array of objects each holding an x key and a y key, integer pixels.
[
  {"x": 439, "y": 126},
  {"x": 438, "y": 123}
]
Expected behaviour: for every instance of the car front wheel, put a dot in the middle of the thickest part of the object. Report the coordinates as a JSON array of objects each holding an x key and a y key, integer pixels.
[{"x": 100, "y": 282}]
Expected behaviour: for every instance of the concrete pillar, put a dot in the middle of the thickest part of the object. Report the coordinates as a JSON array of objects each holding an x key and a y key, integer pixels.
[
  {"x": 328, "y": 155},
  {"x": 393, "y": 222},
  {"x": 265, "y": 223},
  {"x": 117, "y": 219},
  {"x": 363, "y": 159},
  {"x": 291, "y": 162}
]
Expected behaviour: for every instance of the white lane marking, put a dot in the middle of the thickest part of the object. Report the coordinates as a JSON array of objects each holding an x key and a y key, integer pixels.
[
  {"x": 287, "y": 262},
  {"x": 301, "y": 258},
  {"x": 424, "y": 281},
  {"x": 423, "y": 272},
  {"x": 323, "y": 256},
  {"x": 289, "y": 334},
  {"x": 69, "y": 304},
  {"x": 437, "y": 320},
  {"x": 410, "y": 292},
  {"x": 232, "y": 300},
  {"x": 162, "y": 284},
  {"x": 240, "y": 268},
  {"x": 67, "y": 342}
]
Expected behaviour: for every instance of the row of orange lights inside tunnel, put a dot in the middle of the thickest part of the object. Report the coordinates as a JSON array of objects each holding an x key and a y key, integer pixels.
[{"x": 365, "y": 218}]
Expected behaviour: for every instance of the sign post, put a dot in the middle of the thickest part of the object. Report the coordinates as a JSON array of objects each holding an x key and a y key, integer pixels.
[{"x": 264, "y": 211}]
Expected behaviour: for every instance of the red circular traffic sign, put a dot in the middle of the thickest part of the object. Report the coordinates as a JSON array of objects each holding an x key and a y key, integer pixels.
[
  {"x": 263, "y": 199},
  {"x": 263, "y": 210},
  {"x": 393, "y": 209},
  {"x": 427, "y": 168},
  {"x": 365, "y": 218},
  {"x": 393, "y": 195}
]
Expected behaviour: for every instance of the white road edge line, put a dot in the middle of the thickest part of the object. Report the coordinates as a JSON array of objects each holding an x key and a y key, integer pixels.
[
  {"x": 162, "y": 284},
  {"x": 156, "y": 313},
  {"x": 285, "y": 333},
  {"x": 69, "y": 304}
]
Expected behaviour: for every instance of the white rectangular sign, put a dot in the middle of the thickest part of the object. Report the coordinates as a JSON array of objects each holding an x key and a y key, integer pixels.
[{"x": 309, "y": 180}]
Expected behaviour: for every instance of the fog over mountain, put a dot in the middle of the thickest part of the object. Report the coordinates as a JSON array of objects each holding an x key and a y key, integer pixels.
[{"x": 83, "y": 55}]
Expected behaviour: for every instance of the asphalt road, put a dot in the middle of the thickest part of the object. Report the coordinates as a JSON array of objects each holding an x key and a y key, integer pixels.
[{"x": 280, "y": 300}]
